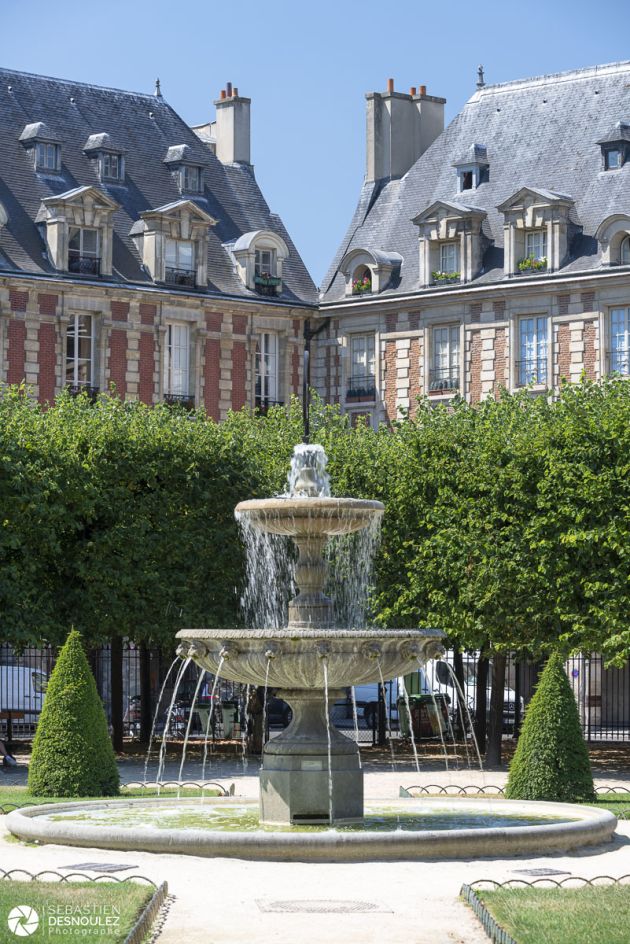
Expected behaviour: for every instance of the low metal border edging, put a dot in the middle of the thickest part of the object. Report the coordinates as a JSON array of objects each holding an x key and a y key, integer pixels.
[{"x": 493, "y": 929}]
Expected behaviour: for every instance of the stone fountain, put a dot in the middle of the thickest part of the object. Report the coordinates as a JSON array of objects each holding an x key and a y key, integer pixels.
[{"x": 311, "y": 773}]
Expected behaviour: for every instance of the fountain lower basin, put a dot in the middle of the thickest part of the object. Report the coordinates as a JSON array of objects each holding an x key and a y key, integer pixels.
[{"x": 390, "y": 831}]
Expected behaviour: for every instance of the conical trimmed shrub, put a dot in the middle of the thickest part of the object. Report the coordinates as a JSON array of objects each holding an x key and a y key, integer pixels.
[
  {"x": 551, "y": 760},
  {"x": 72, "y": 751}
]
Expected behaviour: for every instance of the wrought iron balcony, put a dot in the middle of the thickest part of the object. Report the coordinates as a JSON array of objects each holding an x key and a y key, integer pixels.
[
  {"x": 443, "y": 380},
  {"x": 531, "y": 371},
  {"x": 185, "y": 400},
  {"x": 266, "y": 284},
  {"x": 361, "y": 389},
  {"x": 76, "y": 390},
  {"x": 180, "y": 277},
  {"x": 264, "y": 404},
  {"x": 619, "y": 361},
  {"x": 79, "y": 264}
]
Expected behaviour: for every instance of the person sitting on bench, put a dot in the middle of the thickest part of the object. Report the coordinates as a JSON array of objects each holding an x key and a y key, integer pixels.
[{"x": 8, "y": 760}]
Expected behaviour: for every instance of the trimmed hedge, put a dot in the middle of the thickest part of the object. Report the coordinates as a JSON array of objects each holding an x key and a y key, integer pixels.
[
  {"x": 72, "y": 751},
  {"x": 551, "y": 761}
]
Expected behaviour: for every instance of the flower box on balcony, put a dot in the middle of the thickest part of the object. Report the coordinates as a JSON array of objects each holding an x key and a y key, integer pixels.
[
  {"x": 529, "y": 264},
  {"x": 362, "y": 286},
  {"x": 445, "y": 277},
  {"x": 266, "y": 284}
]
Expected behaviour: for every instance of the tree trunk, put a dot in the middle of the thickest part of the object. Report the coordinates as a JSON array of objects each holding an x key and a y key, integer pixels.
[
  {"x": 116, "y": 665},
  {"x": 458, "y": 665},
  {"x": 495, "y": 721},
  {"x": 146, "y": 703},
  {"x": 481, "y": 704}
]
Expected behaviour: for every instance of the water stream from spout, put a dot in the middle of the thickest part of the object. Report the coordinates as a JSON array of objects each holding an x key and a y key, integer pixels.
[
  {"x": 209, "y": 725},
  {"x": 463, "y": 701},
  {"x": 264, "y": 717},
  {"x": 388, "y": 723},
  {"x": 167, "y": 724},
  {"x": 244, "y": 728},
  {"x": 155, "y": 715},
  {"x": 410, "y": 721},
  {"x": 437, "y": 714},
  {"x": 355, "y": 718},
  {"x": 327, "y": 710},
  {"x": 202, "y": 674}
]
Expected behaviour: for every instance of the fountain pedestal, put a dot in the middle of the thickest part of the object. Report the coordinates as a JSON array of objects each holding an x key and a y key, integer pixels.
[{"x": 304, "y": 779}]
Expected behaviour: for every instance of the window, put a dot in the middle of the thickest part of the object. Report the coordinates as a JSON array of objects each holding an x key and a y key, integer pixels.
[
  {"x": 83, "y": 256},
  {"x": 189, "y": 179},
  {"x": 362, "y": 281},
  {"x": 80, "y": 352},
  {"x": 612, "y": 159},
  {"x": 532, "y": 366},
  {"x": 467, "y": 180},
  {"x": 361, "y": 382},
  {"x": 180, "y": 262},
  {"x": 624, "y": 252},
  {"x": 536, "y": 244},
  {"x": 177, "y": 362},
  {"x": 111, "y": 166},
  {"x": 47, "y": 156},
  {"x": 265, "y": 262},
  {"x": 619, "y": 356},
  {"x": 449, "y": 261},
  {"x": 267, "y": 371},
  {"x": 444, "y": 370}
]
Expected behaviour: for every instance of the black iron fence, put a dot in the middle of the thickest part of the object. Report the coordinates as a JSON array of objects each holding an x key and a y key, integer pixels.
[{"x": 137, "y": 686}]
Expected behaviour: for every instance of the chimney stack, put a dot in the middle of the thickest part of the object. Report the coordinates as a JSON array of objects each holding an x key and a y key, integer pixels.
[
  {"x": 232, "y": 127},
  {"x": 400, "y": 128}
]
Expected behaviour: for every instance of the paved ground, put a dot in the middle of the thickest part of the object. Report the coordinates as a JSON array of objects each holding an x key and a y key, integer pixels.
[{"x": 225, "y": 901}]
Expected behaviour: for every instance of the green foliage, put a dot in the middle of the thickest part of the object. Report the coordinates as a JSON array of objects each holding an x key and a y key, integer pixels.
[
  {"x": 72, "y": 752},
  {"x": 551, "y": 760}
]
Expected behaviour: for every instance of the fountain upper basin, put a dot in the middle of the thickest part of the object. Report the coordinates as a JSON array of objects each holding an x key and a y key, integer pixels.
[
  {"x": 286, "y": 658},
  {"x": 323, "y": 517}
]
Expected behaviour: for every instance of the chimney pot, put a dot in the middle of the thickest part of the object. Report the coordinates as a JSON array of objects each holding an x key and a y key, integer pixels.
[
  {"x": 222, "y": 93},
  {"x": 423, "y": 90},
  {"x": 235, "y": 92},
  {"x": 390, "y": 85},
  {"x": 412, "y": 90},
  {"x": 229, "y": 90}
]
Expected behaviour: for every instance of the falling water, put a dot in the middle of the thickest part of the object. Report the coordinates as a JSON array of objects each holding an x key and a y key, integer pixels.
[
  {"x": 269, "y": 576},
  {"x": 464, "y": 701},
  {"x": 327, "y": 709},
  {"x": 355, "y": 718},
  {"x": 202, "y": 673},
  {"x": 411, "y": 734},
  {"x": 209, "y": 725},
  {"x": 155, "y": 715},
  {"x": 244, "y": 727},
  {"x": 387, "y": 718},
  {"x": 264, "y": 717},
  {"x": 437, "y": 712},
  {"x": 350, "y": 558},
  {"x": 167, "y": 724},
  {"x": 308, "y": 477}
]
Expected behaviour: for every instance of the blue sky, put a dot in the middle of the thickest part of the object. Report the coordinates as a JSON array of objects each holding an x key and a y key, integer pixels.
[{"x": 306, "y": 67}]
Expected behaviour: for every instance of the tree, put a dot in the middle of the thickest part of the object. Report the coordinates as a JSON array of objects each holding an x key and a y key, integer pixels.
[
  {"x": 72, "y": 752},
  {"x": 551, "y": 760}
]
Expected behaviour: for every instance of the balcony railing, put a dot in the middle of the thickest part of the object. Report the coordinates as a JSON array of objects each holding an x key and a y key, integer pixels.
[
  {"x": 361, "y": 389},
  {"x": 75, "y": 390},
  {"x": 79, "y": 264},
  {"x": 531, "y": 372},
  {"x": 174, "y": 276},
  {"x": 185, "y": 400},
  {"x": 264, "y": 404},
  {"x": 619, "y": 361},
  {"x": 267, "y": 284},
  {"x": 443, "y": 380}
]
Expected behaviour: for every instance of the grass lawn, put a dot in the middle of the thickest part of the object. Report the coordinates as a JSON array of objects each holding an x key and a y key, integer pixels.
[
  {"x": 562, "y": 916},
  {"x": 76, "y": 911},
  {"x": 21, "y": 797}
]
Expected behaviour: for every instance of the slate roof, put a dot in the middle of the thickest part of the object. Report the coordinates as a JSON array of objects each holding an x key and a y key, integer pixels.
[
  {"x": 145, "y": 126},
  {"x": 541, "y": 133}
]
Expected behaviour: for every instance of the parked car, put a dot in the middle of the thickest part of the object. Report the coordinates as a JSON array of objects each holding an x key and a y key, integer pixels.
[
  {"x": 440, "y": 674},
  {"x": 278, "y": 712},
  {"x": 428, "y": 721},
  {"x": 22, "y": 691}
]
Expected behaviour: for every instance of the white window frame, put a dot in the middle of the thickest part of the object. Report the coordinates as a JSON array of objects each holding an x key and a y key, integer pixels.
[
  {"x": 445, "y": 358},
  {"x": 624, "y": 250},
  {"x": 47, "y": 156},
  {"x": 532, "y": 236},
  {"x": 79, "y": 327},
  {"x": 179, "y": 244},
  {"x": 362, "y": 360},
  {"x": 177, "y": 359},
  {"x": 446, "y": 249},
  {"x": 607, "y": 154},
  {"x": 532, "y": 365},
  {"x": 260, "y": 269},
  {"x": 190, "y": 178},
  {"x": 619, "y": 340},
  {"x": 107, "y": 158},
  {"x": 82, "y": 230},
  {"x": 267, "y": 383}
]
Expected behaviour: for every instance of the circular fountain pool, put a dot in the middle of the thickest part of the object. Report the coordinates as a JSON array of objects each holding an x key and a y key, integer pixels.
[{"x": 399, "y": 829}]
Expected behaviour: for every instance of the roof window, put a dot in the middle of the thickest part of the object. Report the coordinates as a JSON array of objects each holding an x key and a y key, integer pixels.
[
  {"x": 472, "y": 168},
  {"x": 615, "y": 146},
  {"x": 109, "y": 158},
  {"x": 44, "y": 147}
]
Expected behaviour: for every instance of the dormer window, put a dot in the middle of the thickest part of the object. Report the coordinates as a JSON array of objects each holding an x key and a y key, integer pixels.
[
  {"x": 613, "y": 159},
  {"x": 369, "y": 271},
  {"x": 107, "y": 156},
  {"x": 190, "y": 178},
  {"x": 47, "y": 156},
  {"x": 111, "y": 166},
  {"x": 467, "y": 180},
  {"x": 624, "y": 254},
  {"x": 187, "y": 175},
  {"x": 180, "y": 266},
  {"x": 173, "y": 243},
  {"x": 259, "y": 257},
  {"x": 83, "y": 251},
  {"x": 535, "y": 251},
  {"x": 78, "y": 229},
  {"x": 451, "y": 242},
  {"x": 616, "y": 146},
  {"x": 538, "y": 227},
  {"x": 472, "y": 168}
]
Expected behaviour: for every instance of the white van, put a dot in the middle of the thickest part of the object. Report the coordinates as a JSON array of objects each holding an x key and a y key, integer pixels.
[
  {"x": 417, "y": 683},
  {"x": 22, "y": 692},
  {"x": 439, "y": 673}
]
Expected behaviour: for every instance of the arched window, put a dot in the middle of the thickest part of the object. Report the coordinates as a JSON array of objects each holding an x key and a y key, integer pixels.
[
  {"x": 624, "y": 252},
  {"x": 362, "y": 281}
]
